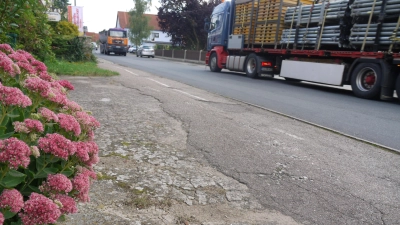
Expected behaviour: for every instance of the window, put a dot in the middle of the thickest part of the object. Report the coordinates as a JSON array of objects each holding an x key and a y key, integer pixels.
[
  {"x": 155, "y": 35},
  {"x": 117, "y": 33}
]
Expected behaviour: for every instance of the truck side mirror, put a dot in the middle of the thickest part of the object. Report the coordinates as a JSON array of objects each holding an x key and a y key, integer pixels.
[{"x": 207, "y": 26}]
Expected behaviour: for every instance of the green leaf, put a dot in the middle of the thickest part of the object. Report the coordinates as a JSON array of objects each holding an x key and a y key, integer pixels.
[
  {"x": 12, "y": 115},
  {"x": 7, "y": 213},
  {"x": 40, "y": 162},
  {"x": 4, "y": 122},
  {"x": 68, "y": 172},
  {"x": 45, "y": 172},
  {"x": 19, "y": 222},
  {"x": 14, "y": 25},
  {"x": 12, "y": 179},
  {"x": 29, "y": 173},
  {"x": 28, "y": 190},
  {"x": 2, "y": 129},
  {"x": 4, "y": 136}
]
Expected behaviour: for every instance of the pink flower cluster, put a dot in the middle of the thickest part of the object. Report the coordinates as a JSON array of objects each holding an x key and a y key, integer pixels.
[
  {"x": 11, "y": 96},
  {"x": 66, "y": 84},
  {"x": 14, "y": 152},
  {"x": 28, "y": 126},
  {"x": 57, "y": 145},
  {"x": 59, "y": 192},
  {"x": 35, "y": 84},
  {"x": 6, "y": 48},
  {"x": 68, "y": 204},
  {"x": 69, "y": 123},
  {"x": 8, "y": 65},
  {"x": 12, "y": 199},
  {"x": 87, "y": 152},
  {"x": 39, "y": 210},
  {"x": 87, "y": 121},
  {"x": 57, "y": 183},
  {"x": 48, "y": 115},
  {"x": 73, "y": 106},
  {"x": 81, "y": 183}
]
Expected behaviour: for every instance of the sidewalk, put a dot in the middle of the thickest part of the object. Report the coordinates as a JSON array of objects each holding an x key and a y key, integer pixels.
[{"x": 149, "y": 175}]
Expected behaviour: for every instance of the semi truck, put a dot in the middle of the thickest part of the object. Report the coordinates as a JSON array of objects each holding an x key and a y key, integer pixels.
[
  {"x": 113, "y": 40},
  {"x": 345, "y": 42}
]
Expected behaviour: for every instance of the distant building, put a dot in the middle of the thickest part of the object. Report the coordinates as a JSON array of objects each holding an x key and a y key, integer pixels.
[
  {"x": 156, "y": 35},
  {"x": 95, "y": 36}
]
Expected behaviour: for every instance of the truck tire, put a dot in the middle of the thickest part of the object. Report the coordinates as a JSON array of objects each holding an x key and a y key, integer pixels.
[
  {"x": 398, "y": 87},
  {"x": 251, "y": 66},
  {"x": 366, "y": 80},
  {"x": 212, "y": 63}
]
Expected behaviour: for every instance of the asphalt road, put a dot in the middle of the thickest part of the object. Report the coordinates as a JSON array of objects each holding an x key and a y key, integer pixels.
[
  {"x": 309, "y": 174},
  {"x": 331, "y": 107}
]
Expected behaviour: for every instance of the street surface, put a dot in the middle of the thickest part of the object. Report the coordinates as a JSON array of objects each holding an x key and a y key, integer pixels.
[
  {"x": 193, "y": 157},
  {"x": 334, "y": 108}
]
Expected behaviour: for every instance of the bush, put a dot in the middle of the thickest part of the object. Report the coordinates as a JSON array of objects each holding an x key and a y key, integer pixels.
[
  {"x": 64, "y": 28},
  {"x": 47, "y": 148},
  {"x": 71, "y": 48}
]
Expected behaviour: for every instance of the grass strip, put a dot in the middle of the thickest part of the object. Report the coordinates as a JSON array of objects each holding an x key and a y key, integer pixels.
[{"x": 78, "y": 69}]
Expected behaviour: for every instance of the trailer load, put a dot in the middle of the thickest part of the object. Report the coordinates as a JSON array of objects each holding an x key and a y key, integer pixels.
[
  {"x": 113, "y": 40},
  {"x": 345, "y": 42}
]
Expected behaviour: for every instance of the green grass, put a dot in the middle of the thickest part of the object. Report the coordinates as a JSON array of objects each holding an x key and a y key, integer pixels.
[{"x": 78, "y": 69}]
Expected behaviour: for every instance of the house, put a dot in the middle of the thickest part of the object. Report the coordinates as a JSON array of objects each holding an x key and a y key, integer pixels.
[
  {"x": 156, "y": 35},
  {"x": 95, "y": 36}
]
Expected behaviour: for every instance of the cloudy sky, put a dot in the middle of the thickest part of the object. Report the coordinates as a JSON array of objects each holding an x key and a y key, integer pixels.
[{"x": 102, "y": 14}]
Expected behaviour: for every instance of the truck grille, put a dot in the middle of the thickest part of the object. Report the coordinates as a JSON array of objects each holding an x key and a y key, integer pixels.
[{"x": 118, "y": 41}]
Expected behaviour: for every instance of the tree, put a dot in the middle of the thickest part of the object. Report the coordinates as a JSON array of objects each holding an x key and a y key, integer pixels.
[
  {"x": 27, "y": 19},
  {"x": 62, "y": 7},
  {"x": 139, "y": 23},
  {"x": 183, "y": 21}
]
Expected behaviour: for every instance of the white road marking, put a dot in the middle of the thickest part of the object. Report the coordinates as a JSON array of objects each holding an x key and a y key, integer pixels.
[
  {"x": 159, "y": 82},
  {"x": 131, "y": 72},
  {"x": 290, "y": 135},
  {"x": 153, "y": 89},
  {"x": 194, "y": 96}
]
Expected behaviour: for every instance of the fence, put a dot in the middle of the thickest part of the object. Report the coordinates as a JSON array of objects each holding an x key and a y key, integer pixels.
[{"x": 186, "y": 55}]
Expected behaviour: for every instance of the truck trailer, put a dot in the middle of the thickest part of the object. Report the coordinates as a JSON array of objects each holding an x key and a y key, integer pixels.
[
  {"x": 113, "y": 40},
  {"x": 345, "y": 42}
]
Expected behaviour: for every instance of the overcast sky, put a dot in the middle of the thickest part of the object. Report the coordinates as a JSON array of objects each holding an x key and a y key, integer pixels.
[{"x": 102, "y": 14}]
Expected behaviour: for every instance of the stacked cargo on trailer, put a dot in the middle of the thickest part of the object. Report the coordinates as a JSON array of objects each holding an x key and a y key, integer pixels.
[
  {"x": 329, "y": 42},
  {"x": 113, "y": 40}
]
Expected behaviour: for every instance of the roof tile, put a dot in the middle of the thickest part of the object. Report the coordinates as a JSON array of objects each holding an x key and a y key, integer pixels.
[{"x": 123, "y": 18}]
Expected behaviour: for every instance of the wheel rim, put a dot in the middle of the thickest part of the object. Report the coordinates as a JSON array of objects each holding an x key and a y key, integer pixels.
[
  {"x": 251, "y": 65},
  {"x": 366, "y": 79},
  {"x": 213, "y": 62}
]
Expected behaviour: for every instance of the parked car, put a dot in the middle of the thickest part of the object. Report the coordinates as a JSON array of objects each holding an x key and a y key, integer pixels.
[
  {"x": 94, "y": 45},
  {"x": 145, "y": 51},
  {"x": 132, "y": 49}
]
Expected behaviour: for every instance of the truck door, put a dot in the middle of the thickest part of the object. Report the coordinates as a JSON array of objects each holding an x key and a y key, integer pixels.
[{"x": 215, "y": 34}]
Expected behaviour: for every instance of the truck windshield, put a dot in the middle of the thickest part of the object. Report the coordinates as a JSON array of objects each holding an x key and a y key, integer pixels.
[{"x": 117, "y": 33}]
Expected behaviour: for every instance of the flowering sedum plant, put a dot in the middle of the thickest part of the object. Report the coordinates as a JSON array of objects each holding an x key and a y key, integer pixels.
[{"x": 47, "y": 150}]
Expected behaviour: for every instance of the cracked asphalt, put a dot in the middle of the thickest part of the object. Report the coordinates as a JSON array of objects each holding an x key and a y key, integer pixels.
[{"x": 174, "y": 154}]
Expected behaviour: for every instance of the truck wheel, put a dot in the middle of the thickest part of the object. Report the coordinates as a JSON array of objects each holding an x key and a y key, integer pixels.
[
  {"x": 213, "y": 63},
  {"x": 251, "y": 66},
  {"x": 398, "y": 87},
  {"x": 366, "y": 80}
]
